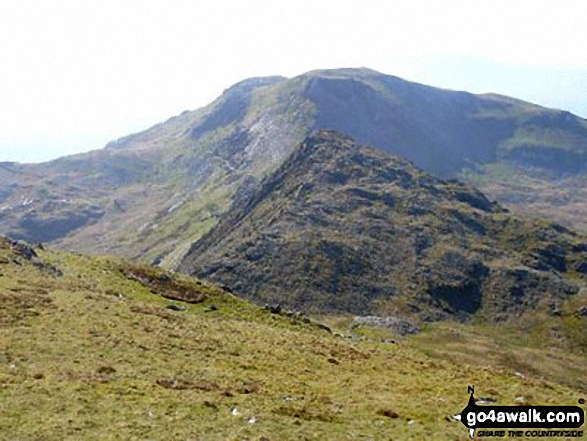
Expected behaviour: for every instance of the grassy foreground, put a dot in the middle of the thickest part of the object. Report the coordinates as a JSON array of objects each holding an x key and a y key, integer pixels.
[{"x": 90, "y": 351}]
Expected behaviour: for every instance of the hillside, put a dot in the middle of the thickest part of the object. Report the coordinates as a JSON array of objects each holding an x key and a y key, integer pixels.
[
  {"x": 342, "y": 227},
  {"x": 535, "y": 192},
  {"x": 152, "y": 194},
  {"x": 91, "y": 350}
]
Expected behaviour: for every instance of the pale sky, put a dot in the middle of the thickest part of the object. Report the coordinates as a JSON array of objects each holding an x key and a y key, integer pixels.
[{"x": 77, "y": 74}]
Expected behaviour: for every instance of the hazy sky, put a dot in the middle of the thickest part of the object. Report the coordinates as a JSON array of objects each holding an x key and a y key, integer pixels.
[{"x": 76, "y": 74}]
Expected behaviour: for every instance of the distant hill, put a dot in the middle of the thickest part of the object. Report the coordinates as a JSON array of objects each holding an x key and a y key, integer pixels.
[
  {"x": 341, "y": 227},
  {"x": 152, "y": 194}
]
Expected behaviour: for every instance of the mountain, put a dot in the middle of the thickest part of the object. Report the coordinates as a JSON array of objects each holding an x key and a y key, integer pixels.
[
  {"x": 98, "y": 348},
  {"x": 152, "y": 194},
  {"x": 341, "y": 227}
]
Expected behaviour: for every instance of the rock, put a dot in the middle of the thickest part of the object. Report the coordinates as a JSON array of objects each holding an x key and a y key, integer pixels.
[
  {"x": 250, "y": 388},
  {"x": 324, "y": 327},
  {"x": 176, "y": 307},
  {"x": 211, "y": 308},
  {"x": 397, "y": 325},
  {"x": 23, "y": 250},
  {"x": 227, "y": 289},
  {"x": 476, "y": 199},
  {"x": 274, "y": 309},
  {"x": 554, "y": 256},
  {"x": 164, "y": 278},
  {"x": 581, "y": 312},
  {"x": 333, "y": 361},
  {"x": 47, "y": 267},
  {"x": 388, "y": 413},
  {"x": 210, "y": 405},
  {"x": 580, "y": 267},
  {"x": 164, "y": 285},
  {"x": 106, "y": 370},
  {"x": 455, "y": 282},
  {"x": 485, "y": 400}
]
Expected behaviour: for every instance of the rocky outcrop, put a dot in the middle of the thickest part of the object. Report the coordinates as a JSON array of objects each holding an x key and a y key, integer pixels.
[
  {"x": 340, "y": 227},
  {"x": 399, "y": 326}
]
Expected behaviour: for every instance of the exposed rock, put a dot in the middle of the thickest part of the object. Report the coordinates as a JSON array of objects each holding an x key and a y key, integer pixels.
[
  {"x": 324, "y": 327},
  {"x": 227, "y": 289},
  {"x": 25, "y": 252},
  {"x": 580, "y": 266},
  {"x": 389, "y": 413},
  {"x": 397, "y": 325},
  {"x": 210, "y": 405},
  {"x": 485, "y": 400},
  {"x": 273, "y": 309},
  {"x": 162, "y": 284},
  {"x": 250, "y": 388},
  {"x": 22, "y": 249},
  {"x": 176, "y": 307},
  {"x": 554, "y": 256}
]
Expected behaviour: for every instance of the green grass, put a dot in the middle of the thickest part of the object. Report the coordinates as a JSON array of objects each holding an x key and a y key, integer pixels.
[{"x": 95, "y": 355}]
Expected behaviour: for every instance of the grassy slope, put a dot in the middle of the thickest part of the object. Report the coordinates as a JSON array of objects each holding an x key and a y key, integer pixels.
[{"x": 95, "y": 355}]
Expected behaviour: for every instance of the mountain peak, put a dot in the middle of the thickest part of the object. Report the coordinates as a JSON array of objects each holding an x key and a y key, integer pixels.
[{"x": 355, "y": 72}]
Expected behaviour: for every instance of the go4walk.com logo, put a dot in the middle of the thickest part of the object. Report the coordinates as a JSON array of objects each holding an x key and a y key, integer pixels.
[{"x": 553, "y": 421}]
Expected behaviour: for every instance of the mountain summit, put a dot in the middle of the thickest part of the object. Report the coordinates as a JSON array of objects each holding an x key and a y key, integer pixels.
[{"x": 152, "y": 194}]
